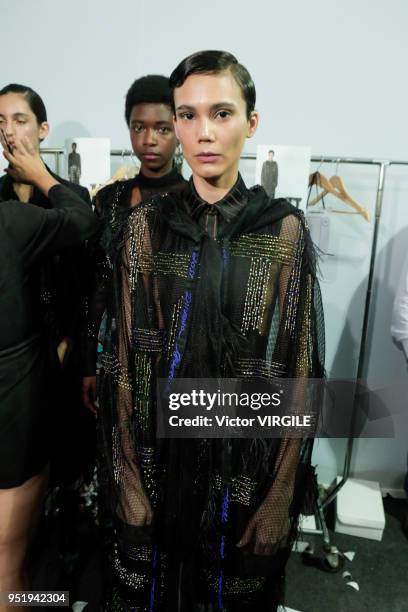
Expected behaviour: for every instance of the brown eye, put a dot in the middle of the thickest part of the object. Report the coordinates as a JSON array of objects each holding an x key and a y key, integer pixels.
[
  {"x": 187, "y": 116},
  {"x": 223, "y": 114}
]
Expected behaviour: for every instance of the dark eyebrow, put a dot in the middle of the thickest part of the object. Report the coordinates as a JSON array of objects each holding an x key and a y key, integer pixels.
[
  {"x": 16, "y": 115},
  {"x": 186, "y": 107},
  {"x": 159, "y": 123},
  {"x": 229, "y": 105}
]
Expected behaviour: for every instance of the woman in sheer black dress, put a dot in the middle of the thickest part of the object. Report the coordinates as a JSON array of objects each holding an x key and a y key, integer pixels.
[
  {"x": 149, "y": 118},
  {"x": 221, "y": 284},
  {"x": 28, "y": 235}
]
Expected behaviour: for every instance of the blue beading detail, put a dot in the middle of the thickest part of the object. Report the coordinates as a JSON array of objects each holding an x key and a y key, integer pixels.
[
  {"x": 193, "y": 264},
  {"x": 225, "y": 504},
  {"x": 220, "y": 585},
  {"x": 153, "y": 589},
  {"x": 224, "y": 519},
  {"x": 222, "y": 548},
  {"x": 188, "y": 298}
]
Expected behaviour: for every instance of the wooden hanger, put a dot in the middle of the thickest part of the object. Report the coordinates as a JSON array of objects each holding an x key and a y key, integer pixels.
[
  {"x": 336, "y": 186},
  {"x": 321, "y": 181},
  {"x": 343, "y": 194}
]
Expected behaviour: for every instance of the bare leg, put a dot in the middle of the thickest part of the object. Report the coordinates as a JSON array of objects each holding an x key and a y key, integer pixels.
[{"x": 19, "y": 510}]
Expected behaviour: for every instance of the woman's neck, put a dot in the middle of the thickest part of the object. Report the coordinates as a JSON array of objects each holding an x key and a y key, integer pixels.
[
  {"x": 159, "y": 173},
  {"x": 23, "y": 191},
  {"x": 214, "y": 190}
]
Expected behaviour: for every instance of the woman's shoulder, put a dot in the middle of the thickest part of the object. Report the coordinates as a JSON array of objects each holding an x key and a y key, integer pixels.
[
  {"x": 113, "y": 194},
  {"x": 20, "y": 222},
  {"x": 150, "y": 211}
]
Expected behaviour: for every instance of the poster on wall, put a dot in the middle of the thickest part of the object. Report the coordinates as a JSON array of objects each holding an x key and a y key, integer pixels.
[
  {"x": 283, "y": 171},
  {"x": 87, "y": 161}
]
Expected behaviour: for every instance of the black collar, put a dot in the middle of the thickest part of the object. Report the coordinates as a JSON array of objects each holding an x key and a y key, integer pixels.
[{"x": 228, "y": 207}]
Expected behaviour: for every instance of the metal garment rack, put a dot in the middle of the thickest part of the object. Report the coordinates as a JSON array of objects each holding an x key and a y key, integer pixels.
[
  {"x": 382, "y": 167},
  {"x": 58, "y": 153},
  {"x": 333, "y": 559}
]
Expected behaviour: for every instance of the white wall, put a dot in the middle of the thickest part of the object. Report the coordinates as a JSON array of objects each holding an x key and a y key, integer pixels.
[{"x": 329, "y": 74}]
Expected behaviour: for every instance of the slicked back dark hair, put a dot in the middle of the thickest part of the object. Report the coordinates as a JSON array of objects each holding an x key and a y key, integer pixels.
[
  {"x": 34, "y": 100},
  {"x": 150, "y": 89},
  {"x": 214, "y": 62}
]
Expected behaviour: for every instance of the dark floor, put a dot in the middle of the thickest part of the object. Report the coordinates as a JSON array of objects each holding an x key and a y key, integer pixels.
[{"x": 379, "y": 568}]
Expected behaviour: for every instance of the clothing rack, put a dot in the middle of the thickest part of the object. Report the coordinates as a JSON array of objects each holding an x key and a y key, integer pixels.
[{"x": 382, "y": 166}]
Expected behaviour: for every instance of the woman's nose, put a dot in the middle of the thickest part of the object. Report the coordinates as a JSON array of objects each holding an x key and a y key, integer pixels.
[
  {"x": 8, "y": 128},
  {"x": 205, "y": 132},
  {"x": 150, "y": 137}
]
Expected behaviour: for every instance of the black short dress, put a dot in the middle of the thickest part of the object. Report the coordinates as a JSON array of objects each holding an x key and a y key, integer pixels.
[{"x": 28, "y": 234}]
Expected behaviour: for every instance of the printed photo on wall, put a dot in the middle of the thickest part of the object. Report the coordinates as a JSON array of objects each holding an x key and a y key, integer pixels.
[
  {"x": 88, "y": 161},
  {"x": 283, "y": 171}
]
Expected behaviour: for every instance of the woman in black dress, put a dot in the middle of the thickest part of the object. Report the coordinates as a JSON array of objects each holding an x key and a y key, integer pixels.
[
  {"x": 149, "y": 117},
  {"x": 23, "y": 113},
  {"x": 28, "y": 234}
]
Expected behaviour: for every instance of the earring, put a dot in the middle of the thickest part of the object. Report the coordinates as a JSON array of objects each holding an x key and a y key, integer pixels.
[{"x": 178, "y": 158}]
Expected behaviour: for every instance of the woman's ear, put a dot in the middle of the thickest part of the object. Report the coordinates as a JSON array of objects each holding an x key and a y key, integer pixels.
[
  {"x": 44, "y": 130},
  {"x": 252, "y": 123}
]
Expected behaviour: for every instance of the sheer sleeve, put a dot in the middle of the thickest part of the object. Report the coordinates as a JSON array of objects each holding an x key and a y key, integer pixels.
[
  {"x": 98, "y": 277},
  {"x": 274, "y": 523},
  {"x": 137, "y": 355}
]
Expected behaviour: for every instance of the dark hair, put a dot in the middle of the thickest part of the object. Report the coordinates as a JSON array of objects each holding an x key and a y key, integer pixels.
[
  {"x": 213, "y": 62},
  {"x": 150, "y": 89},
  {"x": 273, "y": 152},
  {"x": 34, "y": 100}
]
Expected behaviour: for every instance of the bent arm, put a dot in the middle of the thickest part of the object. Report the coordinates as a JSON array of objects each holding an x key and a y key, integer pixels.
[{"x": 43, "y": 232}]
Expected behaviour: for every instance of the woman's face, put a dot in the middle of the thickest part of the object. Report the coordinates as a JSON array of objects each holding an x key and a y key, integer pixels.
[
  {"x": 211, "y": 123},
  {"x": 153, "y": 138},
  {"x": 17, "y": 120}
]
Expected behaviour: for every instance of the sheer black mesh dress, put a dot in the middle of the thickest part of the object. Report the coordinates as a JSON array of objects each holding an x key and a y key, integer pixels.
[
  {"x": 113, "y": 204},
  {"x": 208, "y": 291}
]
